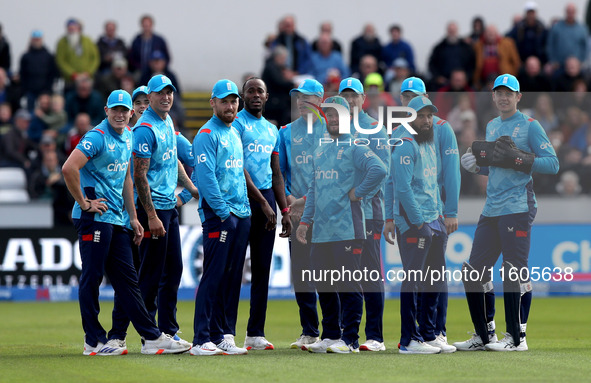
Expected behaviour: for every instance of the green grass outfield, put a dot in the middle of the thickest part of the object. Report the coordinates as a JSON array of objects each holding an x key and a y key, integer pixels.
[{"x": 42, "y": 342}]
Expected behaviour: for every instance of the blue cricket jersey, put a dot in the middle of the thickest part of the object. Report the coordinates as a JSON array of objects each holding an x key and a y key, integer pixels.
[
  {"x": 260, "y": 140},
  {"x": 414, "y": 171},
  {"x": 336, "y": 170},
  {"x": 184, "y": 150},
  {"x": 219, "y": 170},
  {"x": 155, "y": 139},
  {"x": 448, "y": 166},
  {"x": 103, "y": 176},
  {"x": 510, "y": 191}
]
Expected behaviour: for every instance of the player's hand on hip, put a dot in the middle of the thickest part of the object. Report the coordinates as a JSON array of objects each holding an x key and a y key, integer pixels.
[
  {"x": 468, "y": 162},
  {"x": 271, "y": 216},
  {"x": 352, "y": 196},
  {"x": 286, "y": 226},
  {"x": 138, "y": 231},
  {"x": 301, "y": 234},
  {"x": 156, "y": 227},
  {"x": 95, "y": 206},
  {"x": 389, "y": 232},
  {"x": 451, "y": 224}
]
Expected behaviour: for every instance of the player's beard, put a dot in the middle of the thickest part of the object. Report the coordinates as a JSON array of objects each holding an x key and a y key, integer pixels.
[
  {"x": 226, "y": 117},
  {"x": 424, "y": 135}
]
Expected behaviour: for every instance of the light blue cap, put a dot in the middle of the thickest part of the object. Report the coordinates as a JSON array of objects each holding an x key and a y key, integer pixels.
[
  {"x": 413, "y": 84},
  {"x": 224, "y": 88},
  {"x": 37, "y": 34},
  {"x": 119, "y": 97},
  {"x": 139, "y": 90},
  {"x": 419, "y": 103},
  {"x": 309, "y": 87},
  {"x": 159, "y": 82},
  {"x": 507, "y": 80},
  {"x": 351, "y": 83},
  {"x": 336, "y": 100}
]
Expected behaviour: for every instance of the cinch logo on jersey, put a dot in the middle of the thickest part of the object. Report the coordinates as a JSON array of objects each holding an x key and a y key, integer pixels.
[
  {"x": 327, "y": 174},
  {"x": 545, "y": 145},
  {"x": 303, "y": 158},
  {"x": 258, "y": 148},
  {"x": 233, "y": 163},
  {"x": 451, "y": 151},
  {"x": 168, "y": 154},
  {"x": 118, "y": 166},
  {"x": 345, "y": 119},
  {"x": 430, "y": 172}
]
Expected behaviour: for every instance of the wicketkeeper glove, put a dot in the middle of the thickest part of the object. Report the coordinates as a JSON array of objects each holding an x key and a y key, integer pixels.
[
  {"x": 507, "y": 155},
  {"x": 483, "y": 151},
  {"x": 468, "y": 161}
]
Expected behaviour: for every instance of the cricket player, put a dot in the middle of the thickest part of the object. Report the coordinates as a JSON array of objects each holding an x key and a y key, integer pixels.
[
  {"x": 422, "y": 236},
  {"x": 260, "y": 143},
  {"x": 139, "y": 97},
  {"x": 373, "y": 290},
  {"x": 516, "y": 146},
  {"x": 344, "y": 174},
  {"x": 448, "y": 180},
  {"x": 98, "y": 177},
  {"x": 296, "y": 147},
  {"x": 157, "y": 171}
]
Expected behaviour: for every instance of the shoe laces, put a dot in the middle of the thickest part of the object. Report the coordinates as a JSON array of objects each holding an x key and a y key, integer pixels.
[
  {"x": 115, "y": 343},
  {"x": 441, "y": 338},
  {"x": 508, "y": 339},
  {"x": 225, "y": 344}
]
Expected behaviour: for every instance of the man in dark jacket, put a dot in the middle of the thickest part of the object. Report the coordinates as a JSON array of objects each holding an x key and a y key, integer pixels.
[
  {"x": 451, "y": 53},
  {"x": 37, "y": 70}
]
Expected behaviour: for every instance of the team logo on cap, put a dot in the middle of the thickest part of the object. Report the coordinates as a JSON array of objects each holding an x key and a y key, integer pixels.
[
  {"x": 120, "y": 96},
  {"x": 410, "y": 83},
  {"x": 505, "y": 79},
  {"x": 229, "y": 86},
  {"x": 425, "y": 100},
  {"x": 349, "y": 82}
]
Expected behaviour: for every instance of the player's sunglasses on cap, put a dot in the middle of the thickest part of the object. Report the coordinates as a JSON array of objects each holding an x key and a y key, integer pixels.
[
  {"x": 336, "y": 100},
  {"x": 413, "y": 84},
  {"x": 119, "y": 98},
  {"x": 508, "y": 81},
  {"x": 419, "y": 103},
  {"x": 159, "y": 82},
  {"x": 224, "y": 88},
  {"x": 139, "y": 90},
  {"x": 351, "y": 83},
  {"x": 309, "y": 87}
]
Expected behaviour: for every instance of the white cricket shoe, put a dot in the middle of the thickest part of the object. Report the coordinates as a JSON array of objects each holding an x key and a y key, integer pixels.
[
  {"x": 322, "y": 345},
  {"x": 113, "y": 347},
  {"x": 416, "y": 347},
  {"x": 441, "y": 342},
  {"x": 257, "y": 343},
  {"x": 89, "y": 350},
  {"x": 304, "y": 341},
  {"x": 165, "y": 344},
  {"x": 228, "y": 347},
  {"x": 205, "y": 349},
  {"x": 474, "y": 343},
  {"x": 507, "y": 344},
  {"x": 341, "y": 347},
  {"x": 181, "y": 340},
  {"x": 372, "y": 345}
]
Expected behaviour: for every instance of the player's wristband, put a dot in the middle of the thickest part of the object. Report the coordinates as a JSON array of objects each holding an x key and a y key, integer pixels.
[
  {"x": 389, "y": 220},
  {"x": 304, "y": 224},
  {"x": 286, "y": 210},
  {"x": 89, "y": 207}
]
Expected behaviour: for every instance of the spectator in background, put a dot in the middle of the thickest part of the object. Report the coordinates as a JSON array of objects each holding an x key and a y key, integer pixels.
[
  {"x": 397, "y": 48},
  {"x": 38, "y": 126},
  {"x": 111, "y": 80},
  {"x": 81, "y": 127},
  {"x": 451, "y": 53},
  {"x": 8, "y": 92},
  {"x": 144, "y": 44},
  {"x": 495, "y": 54},
  {"x": 111, "y": 48},
  {"x": 477, "y": 31},
  {"x": 5, "y": 119},
  {"x": 366, "y": 44},
  {"x": 325, "y": 59},
  {"x": 566, "y": 38},
  {"x": 574, "y": 120},
  {"x": 76, "y": 54},
  {"x": 376, "y": 97},
  {"x": 37, "y": 70},
  {"x": 298, "y": 50},
  {"x": 462, "y": 115},
  {"x": 530, "y": 34},
  {"x": 84, "y": 99},
  {"x": 159, "y": 65},
  {"x": 396, "y": 75},
  {"x": 279, "y": 80},
  {"x": 4, "y": 52},
  {"x": 569, "y": 184},
  {"x": 578, "y": 140},
  {"x": 367, "y": 65},
  {"x": 580, "y": 96},
  {"x": 17, "y": 149},
  {"x": 448, "y": 96},
  {"x": 565, "y": 79},
  {"x": 543, "y": 111},
  {"x": 531, "y": 79},
  {"x": 326, "y": 28}
]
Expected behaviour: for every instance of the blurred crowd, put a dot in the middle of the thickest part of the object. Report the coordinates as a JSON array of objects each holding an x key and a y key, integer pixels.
[{"x": 57, "y": 95}]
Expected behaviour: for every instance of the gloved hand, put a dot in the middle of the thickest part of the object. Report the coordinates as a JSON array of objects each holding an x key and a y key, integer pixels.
[
  {"x": 468, "y": 162},
  {"x": 507, "y": 155},
  {"x": 483, "y": 151}
]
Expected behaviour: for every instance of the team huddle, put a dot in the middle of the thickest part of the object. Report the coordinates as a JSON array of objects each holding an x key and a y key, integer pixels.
[{"x": 338, "y": 197}]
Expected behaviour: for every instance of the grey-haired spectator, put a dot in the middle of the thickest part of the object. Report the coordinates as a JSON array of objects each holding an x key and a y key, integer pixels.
[
  {"x": 111, "y": 48},
  {"x": 112, "y": 79},
  {"x": 532, "y": 79},
  {"x": 298, "y": 50}
]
